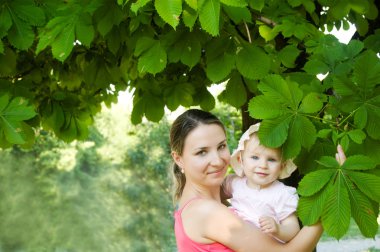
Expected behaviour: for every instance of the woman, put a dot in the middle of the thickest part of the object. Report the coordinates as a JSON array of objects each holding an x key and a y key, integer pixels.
[{"x": 202, "y": 223}]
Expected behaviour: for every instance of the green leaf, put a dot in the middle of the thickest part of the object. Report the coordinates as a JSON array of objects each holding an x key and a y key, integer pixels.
[
  {"x": 257, "y": 4},
  {"x": 193, "y": 4},
  {"x": 27, "y": 11},
  {"x": 273, "y": 133},
  {"x": 13, "y": 113},
  {"x": 267, "y": 33},
  {"x": 238, "y": 14},
  {"x": 367, "y": 183},
  {"x": 5, "y": 21},
  {"x": 295, "y": 3},
  {"x": 189, "y": 16},
  {"x": 361, "y": 25},
  {"x": 367, "y": 71},
  {"x": 69, "y": 131},
  {"x": 191, "y": 52},
  {"x": 169, "y": 11},
  {"x": 64, "y": 43},
  {"x": 219, "y": 68},
  {"x": 343, "y": 87},
  {"x": 252, "y": 62},
  {"x": 154, "y": 108},
  {"x": 136, "y": 6},
  {"x": 143, "y": 44},
  {"x": 12, "y": 131},
  {"x": 309, "y": 6},
  {"x": 357, "y": 135},
  {"x": 234, "y": 3},
  {"x": 354, "y": 47},
  {"x": 207, "y": 101},
  {"x": 360, "y": 117},
  {"x": 288, "y": 55},
  {"x": 84, "y": 30},
  {"x": 21, "y": 34},
  {"x": 345, "y": 142},
  {"x": 53, "y": 117},
  {"x": 304, "y": 131},
  {"x": 235, "y": 93},
  {"x": 184, "y": 47},
  {"x": 292, "y": 146},
  {"x": 313, "y": 182},
  {"x": 153, "y": 60},
  {"x": 373, "y": 124},
  {"x": 209, "y": 13},
  {"x": 108, "y": 16},
  {"x": 336, "y": 215},
  {"x": 328, "y": 162},
  {"x": 48, "y": 35},
  {"x": 180, "y": 94},
  {"x": 18, "y": 110},
  {"x": 316, "y": 67},
  {"x": 324, "y": 133},
  {"x": 258, "y": 108},
  {"x": 362, "y": 211},
  {"x": 282, "y": 91},
  {"x": 138, "y": 110},
  {"x": 310, "y": 209},
  {"x": 312, "y": 103}
]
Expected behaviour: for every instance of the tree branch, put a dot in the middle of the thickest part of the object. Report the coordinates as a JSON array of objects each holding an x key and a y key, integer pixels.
[{"x": 265, "y": 20}]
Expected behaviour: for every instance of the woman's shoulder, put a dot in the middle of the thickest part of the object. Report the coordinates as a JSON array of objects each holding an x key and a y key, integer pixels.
[
  {"x": 203, "y": 208},
  {"x": 206, "y": 212}
]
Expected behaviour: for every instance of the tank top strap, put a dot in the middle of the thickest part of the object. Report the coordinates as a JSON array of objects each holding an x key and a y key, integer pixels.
[{"x": 187, "y": 203}]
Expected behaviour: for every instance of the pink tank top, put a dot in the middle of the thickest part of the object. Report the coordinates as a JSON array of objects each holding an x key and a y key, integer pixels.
[{"x": 185, "y": 244}]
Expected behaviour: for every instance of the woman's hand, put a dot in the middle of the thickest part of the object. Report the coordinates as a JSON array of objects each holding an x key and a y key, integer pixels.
[{"x": 340, "y": 156}]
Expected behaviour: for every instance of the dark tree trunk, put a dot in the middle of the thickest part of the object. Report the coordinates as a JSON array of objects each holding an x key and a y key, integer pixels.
[{"x": 246, "y": 119}]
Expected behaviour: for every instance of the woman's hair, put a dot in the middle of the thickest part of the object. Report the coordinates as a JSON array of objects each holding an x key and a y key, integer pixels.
[{"x": 180, "y": 129}]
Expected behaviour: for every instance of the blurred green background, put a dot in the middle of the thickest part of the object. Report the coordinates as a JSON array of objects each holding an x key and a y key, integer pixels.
[{"x": 111, "y": 192}]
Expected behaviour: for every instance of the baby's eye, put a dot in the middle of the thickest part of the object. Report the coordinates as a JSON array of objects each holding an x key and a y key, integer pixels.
[
  {"x": 272, "y": 160},
  {"x": 201, "y": 153},
  {"x": 255, "y": 157}
]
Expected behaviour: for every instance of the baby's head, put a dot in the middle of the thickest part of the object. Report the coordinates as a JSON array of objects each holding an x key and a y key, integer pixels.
[{"x": 261, "y": 164}]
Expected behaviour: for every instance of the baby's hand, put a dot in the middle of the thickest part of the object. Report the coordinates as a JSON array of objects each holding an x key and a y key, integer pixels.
[{"x": 268, "y": 225}]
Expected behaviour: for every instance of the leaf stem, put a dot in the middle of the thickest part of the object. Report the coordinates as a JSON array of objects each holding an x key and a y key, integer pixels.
[
  {"x": 345, "y": 119},
  {"x": 248, "y": 33}
]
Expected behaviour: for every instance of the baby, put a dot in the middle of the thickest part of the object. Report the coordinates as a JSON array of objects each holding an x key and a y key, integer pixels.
[{"x": 256, "y": 194}]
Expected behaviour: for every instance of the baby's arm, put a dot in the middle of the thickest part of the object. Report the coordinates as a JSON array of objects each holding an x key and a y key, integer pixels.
[{"x": 284, "y": 231}]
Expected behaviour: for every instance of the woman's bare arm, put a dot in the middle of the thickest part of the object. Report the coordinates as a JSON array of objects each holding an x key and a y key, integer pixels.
[
  {"x": 220, "y": 224},
  {"x": 285, "y": 231}
]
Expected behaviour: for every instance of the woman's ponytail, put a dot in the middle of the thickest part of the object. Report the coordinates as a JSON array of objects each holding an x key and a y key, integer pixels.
[{"x": 179, "y": 181}]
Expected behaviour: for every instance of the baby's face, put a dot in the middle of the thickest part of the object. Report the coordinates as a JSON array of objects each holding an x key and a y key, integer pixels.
[{"x": 261, "y": 165}]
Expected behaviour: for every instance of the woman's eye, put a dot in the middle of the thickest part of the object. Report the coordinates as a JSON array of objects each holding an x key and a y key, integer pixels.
[
  {"x": 255, "y": 157},
  {"x": 223, "y": 146}
]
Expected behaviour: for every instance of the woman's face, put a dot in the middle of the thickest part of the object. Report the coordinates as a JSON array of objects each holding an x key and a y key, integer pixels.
[{"x": 205, "y": 155}]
